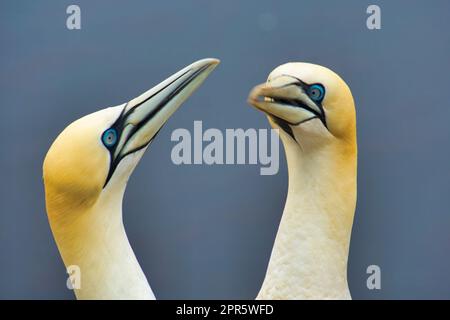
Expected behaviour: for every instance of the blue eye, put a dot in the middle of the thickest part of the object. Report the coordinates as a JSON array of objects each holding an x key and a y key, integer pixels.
[
  {"x": 109, "y": 137},
  {"x": 316, "y": 92}
]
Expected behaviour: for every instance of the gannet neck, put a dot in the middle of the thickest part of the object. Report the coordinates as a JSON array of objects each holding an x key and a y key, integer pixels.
[
  {"x": 96, "y": 242},
  {"x": 309, "y": 257}
]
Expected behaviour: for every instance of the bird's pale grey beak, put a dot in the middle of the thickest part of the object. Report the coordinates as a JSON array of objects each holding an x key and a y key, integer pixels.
[
  {"x": 143, "y": 117},
  {"x": 284, "y": 98}
]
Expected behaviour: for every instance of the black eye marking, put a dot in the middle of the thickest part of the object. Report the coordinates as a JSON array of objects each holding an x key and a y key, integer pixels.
[
  {"x": 316, "y": 92},
  {"x": 116, "y": 131},
  {"x": 119, "y": 124},
  {"x": 109, "y": 137},
  {"x": 284, "y": 125}
]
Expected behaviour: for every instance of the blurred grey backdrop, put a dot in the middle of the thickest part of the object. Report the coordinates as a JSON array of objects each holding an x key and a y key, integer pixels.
[{"x": 207, "y": 231}]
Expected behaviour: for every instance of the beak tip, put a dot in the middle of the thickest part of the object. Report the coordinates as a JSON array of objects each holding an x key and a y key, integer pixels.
[
  {"x": 254, "y": 94},
  {"x": 210, "y": 62}
]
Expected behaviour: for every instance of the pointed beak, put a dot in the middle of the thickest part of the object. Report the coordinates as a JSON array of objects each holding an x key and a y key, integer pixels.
[{"x": 143, "y": 117}]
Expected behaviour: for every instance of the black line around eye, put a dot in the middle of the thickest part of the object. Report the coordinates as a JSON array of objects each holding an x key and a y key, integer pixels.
[
  {"x": 321, "y": 89},
  {"x": 305, "y": 87}
]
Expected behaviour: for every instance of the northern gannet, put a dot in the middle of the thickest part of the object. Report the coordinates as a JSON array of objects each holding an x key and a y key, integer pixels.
[
  {"x": 313, "y": 109},
  {"x": 85, "y": 173}
]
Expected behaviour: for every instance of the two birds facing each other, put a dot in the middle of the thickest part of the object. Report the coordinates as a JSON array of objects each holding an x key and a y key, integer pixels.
[{"x": 88, "y": 165}]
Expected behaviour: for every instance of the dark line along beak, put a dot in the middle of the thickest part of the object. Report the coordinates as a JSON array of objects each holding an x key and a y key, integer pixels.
[
  {"x": 285, "y": 98},
  {"x": 143, "y": 117}
]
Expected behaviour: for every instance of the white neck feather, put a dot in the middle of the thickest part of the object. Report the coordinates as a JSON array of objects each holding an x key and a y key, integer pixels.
[
  {"x": 309, "y": 257},
  {"x": 96, "y": 242}
]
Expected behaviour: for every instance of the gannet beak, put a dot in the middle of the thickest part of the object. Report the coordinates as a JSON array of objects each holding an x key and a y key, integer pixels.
[
  {"x": 285, "y": 98},
  {"x": 143, "y": 117}
]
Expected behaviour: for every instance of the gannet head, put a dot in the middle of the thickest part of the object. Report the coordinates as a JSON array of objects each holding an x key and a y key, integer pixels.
[
  {"x": 94, "y": 156},
  {"x": 308, "y": 103}
]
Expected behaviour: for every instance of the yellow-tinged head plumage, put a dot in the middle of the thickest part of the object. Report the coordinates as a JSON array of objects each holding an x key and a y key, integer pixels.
[
  {"x": 77, "y": 164},
  {"x": 307, "y": 100},
  {"x": 96, "y": 154}
]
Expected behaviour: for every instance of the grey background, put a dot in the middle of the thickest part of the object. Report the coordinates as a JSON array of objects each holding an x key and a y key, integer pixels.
[{"x": 207, "y": 231}]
